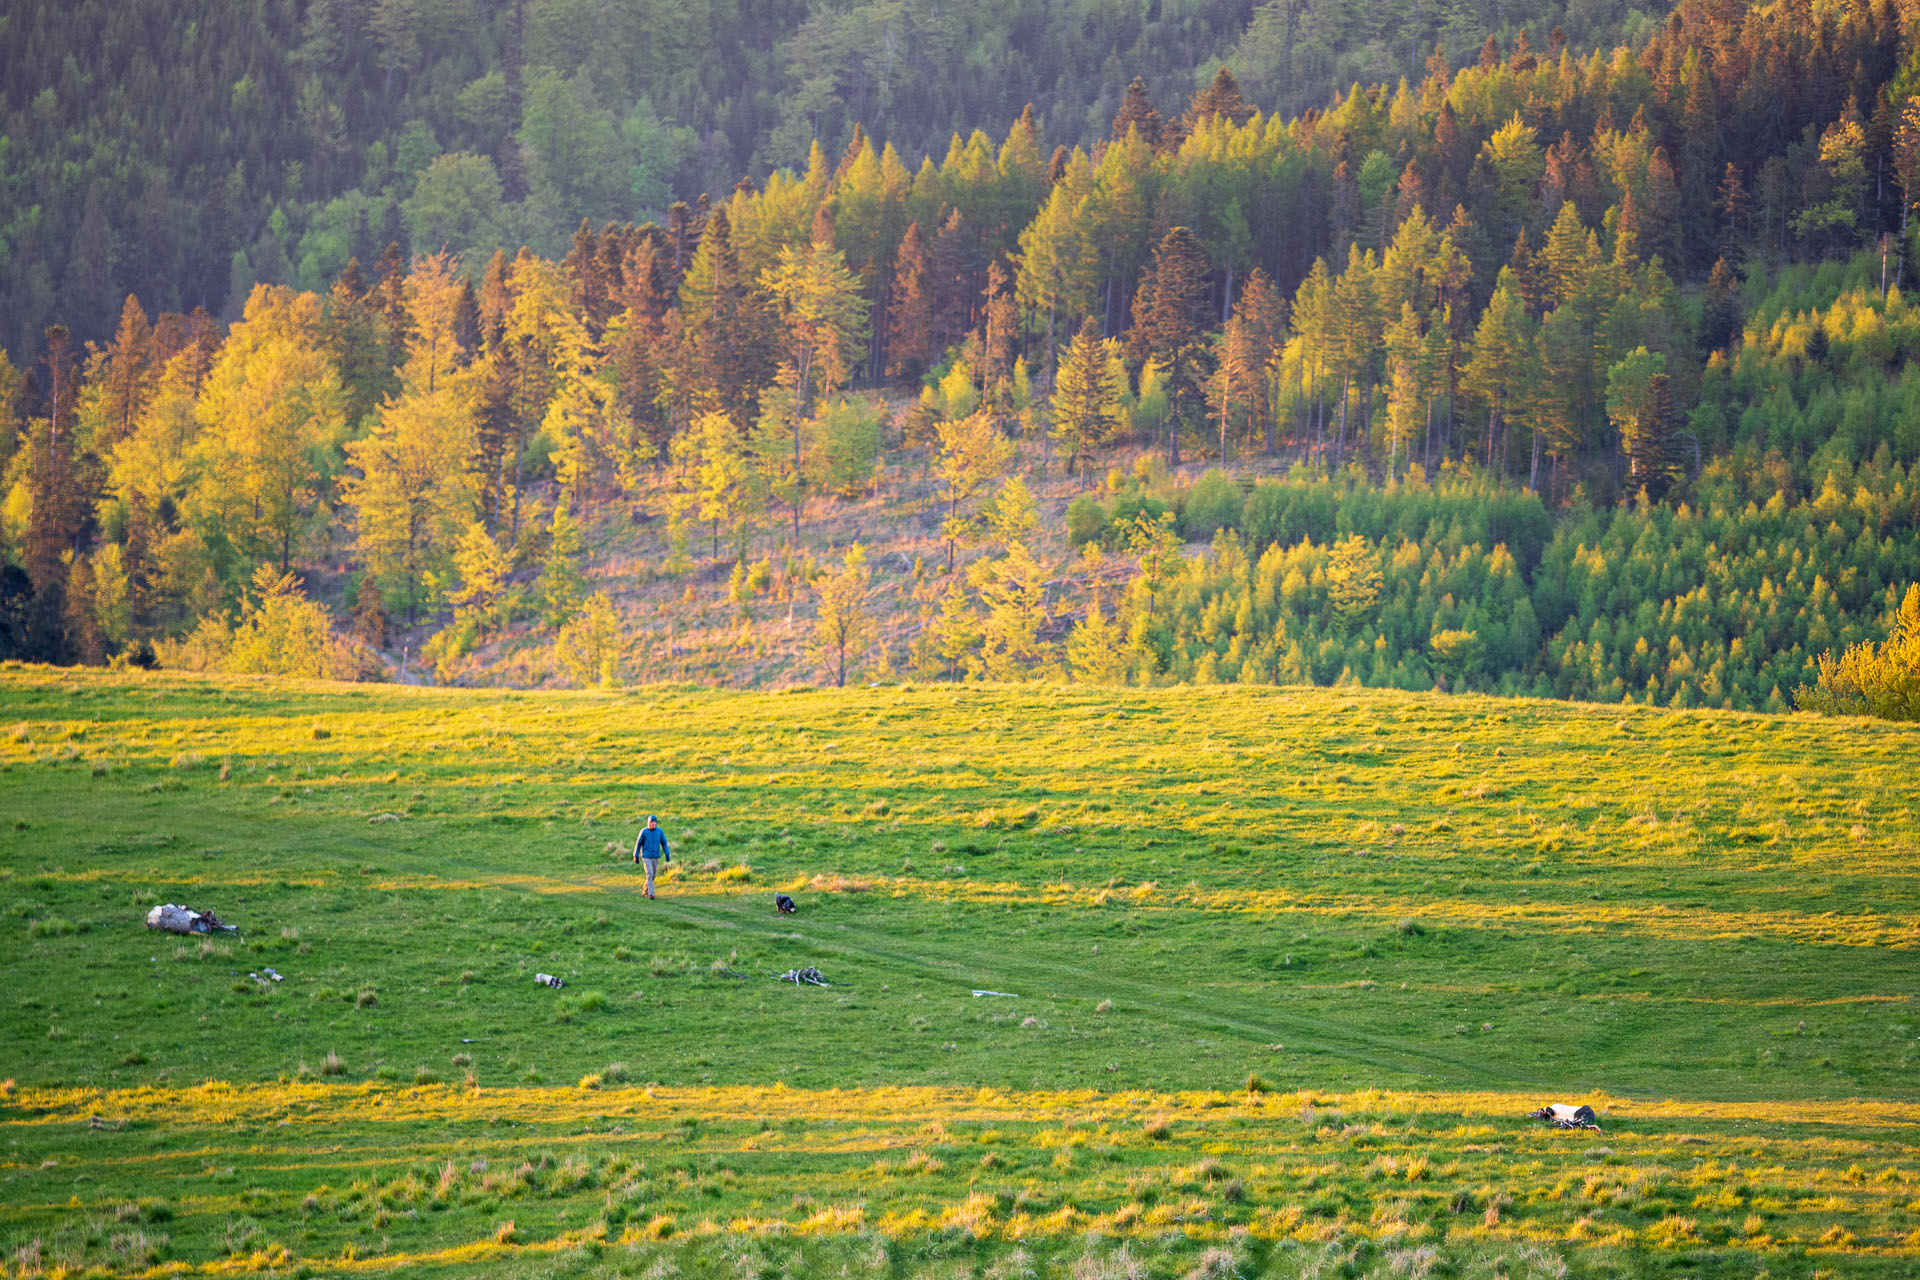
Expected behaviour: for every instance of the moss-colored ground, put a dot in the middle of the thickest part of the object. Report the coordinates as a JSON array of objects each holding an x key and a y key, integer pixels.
[{"x": 1704, "y": 923}]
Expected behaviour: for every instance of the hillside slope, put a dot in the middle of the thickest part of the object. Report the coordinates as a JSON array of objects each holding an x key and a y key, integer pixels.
[{"x": 1284, "y": 969}]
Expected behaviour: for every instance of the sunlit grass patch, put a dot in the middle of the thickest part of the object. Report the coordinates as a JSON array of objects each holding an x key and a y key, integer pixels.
[{"x": 1168, "y": 901}]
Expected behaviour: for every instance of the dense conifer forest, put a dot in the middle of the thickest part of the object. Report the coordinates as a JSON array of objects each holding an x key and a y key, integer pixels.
[{"x": 1546, "y": 364}]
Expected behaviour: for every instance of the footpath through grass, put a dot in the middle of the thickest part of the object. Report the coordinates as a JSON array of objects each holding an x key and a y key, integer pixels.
[{"x": 1287, "y": 968}]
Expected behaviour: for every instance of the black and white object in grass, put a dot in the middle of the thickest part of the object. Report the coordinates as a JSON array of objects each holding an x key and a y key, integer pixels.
[{"x": 1565, "y": 1115}]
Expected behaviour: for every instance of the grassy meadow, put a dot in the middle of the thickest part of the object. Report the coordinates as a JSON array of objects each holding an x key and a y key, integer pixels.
[{"x": 1287, "y": 969}]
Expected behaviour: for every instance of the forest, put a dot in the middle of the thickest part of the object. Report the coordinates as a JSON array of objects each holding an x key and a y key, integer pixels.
[
  {"x": 184, "y": 150},
  {"x": 1579, "y": 372}
]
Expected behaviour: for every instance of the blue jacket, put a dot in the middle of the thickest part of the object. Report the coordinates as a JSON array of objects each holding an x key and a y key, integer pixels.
[{"x": 651, "y": 844}]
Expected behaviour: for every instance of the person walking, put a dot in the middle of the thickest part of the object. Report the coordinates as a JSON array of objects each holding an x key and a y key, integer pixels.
[{"x": 651, "y": 850}]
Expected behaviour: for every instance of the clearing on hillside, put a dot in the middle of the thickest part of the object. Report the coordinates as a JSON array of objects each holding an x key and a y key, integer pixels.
[{"x": 1288, "y": 969}]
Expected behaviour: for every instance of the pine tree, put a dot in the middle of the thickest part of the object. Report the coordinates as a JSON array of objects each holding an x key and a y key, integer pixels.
[
  {"x": 355, "y": 335},
  {"x": 90, "y": 295},
  {"x": 1735, "y": 212},
  {"x": 1720, "y": 308},
  {"x": 562, "y": 585},
  {"x": 1639, "y": 404}
]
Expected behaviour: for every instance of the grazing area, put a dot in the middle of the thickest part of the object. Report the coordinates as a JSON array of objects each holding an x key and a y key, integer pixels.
[{"x": 1285, "y": 971}]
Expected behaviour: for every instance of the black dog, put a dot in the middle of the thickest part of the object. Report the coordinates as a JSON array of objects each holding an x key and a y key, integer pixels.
[{"x": 784, "y": 904}]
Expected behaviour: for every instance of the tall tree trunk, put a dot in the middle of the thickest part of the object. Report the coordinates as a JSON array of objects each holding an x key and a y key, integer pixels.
[
  {"x": 1226, "y": 400},
  {"x": 1340, "y": 440}
]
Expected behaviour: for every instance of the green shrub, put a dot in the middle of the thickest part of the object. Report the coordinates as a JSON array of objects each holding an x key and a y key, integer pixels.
[
  {"x": 1086, "y": 521},
  {"x": 1213, "y": 503}
]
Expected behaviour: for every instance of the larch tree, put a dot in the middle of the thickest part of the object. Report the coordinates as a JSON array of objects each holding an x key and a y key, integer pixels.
[
  {"x": 844, "y": 628},
  {"x": 1058, "y": 270},
  {"x": 1170, "y": 315},
  {"x": 722, "y": 478},
  {"x": 1503, "y": 357},
  {"x": 1313, "y": 333},
  {"x": 1240, "y": 391},
  {"x": 480, "y": 569},
  {"x": 1089, "y": 393},
  {"x": 1096, "y": 651},
  {"x": 1639, "y": 404},
  {"x": 1160, "y": 553},
  {"x": 973, "y": 454},
  {"x": 724, "y": 323},
  {"x": 1013, "y": 591},
  {"x": 1354, "y": 333},
  {"x": 562, "y": 585},
  {"x": 910, "y": 309},
  {"x": 954, "y": 633},
  {"x": 1354, "y": 581},
  {"x": 1406, "y": 386},
  {"x": 416, "y": 490},
  {"x": 821, "y": 311},
  {"x": 273, "y": 415}
]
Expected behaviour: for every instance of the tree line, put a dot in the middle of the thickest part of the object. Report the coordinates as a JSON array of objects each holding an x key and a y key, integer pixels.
[
  {"x": 185, "y": 151},
  {"x": 1576, "y": 275}
]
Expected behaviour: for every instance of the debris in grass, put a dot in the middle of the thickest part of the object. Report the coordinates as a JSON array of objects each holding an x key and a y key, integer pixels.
[
  {"x": 1008, "y": 994},
  {"x": 273, "y": 973},
  {"x": 810, "y": 974},
  {"x": 171, "y": 917},
  {"x": 549, "y": 980}
]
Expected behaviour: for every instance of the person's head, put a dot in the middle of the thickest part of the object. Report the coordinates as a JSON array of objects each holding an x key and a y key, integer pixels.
[{"x": 652, "y": 821}]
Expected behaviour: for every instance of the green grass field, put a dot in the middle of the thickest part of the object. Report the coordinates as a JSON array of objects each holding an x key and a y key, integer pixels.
[{"x": 1288, "y": 969}]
